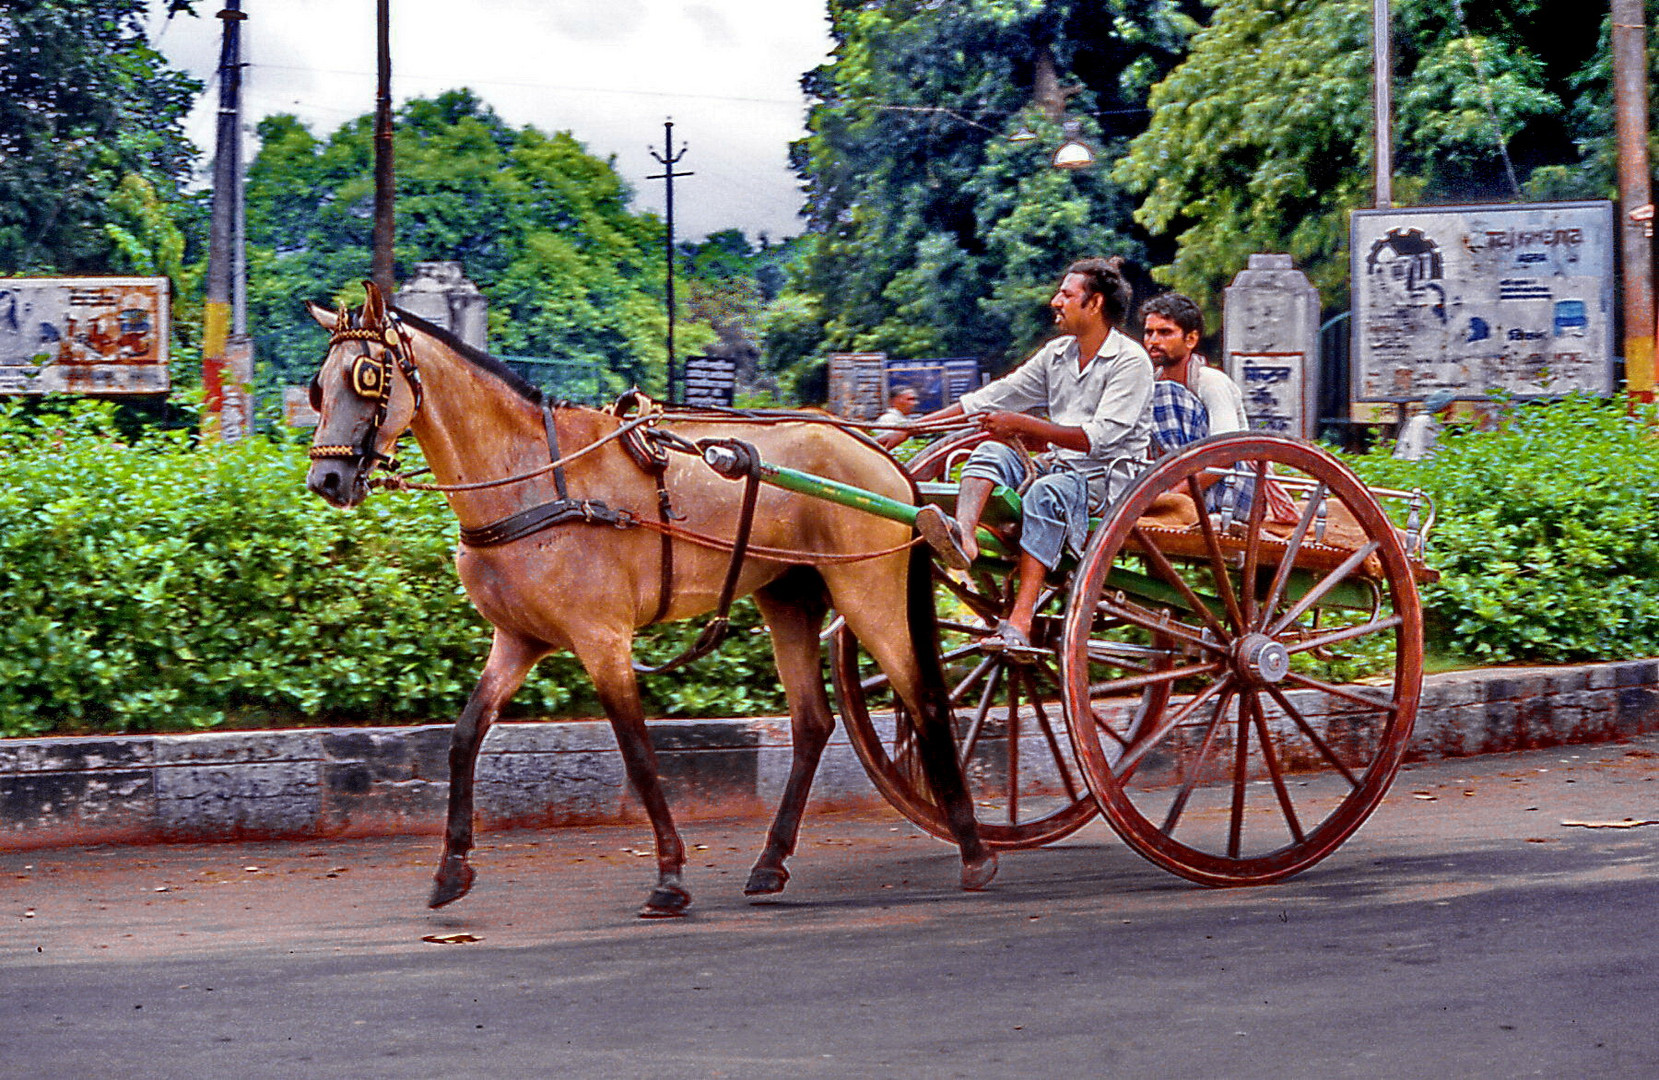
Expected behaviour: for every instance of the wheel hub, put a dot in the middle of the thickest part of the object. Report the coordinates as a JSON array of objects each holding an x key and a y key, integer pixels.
[{"x": 1260, "y": 659}]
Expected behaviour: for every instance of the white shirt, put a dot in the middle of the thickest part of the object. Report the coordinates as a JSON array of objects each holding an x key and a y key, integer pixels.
[
  {"x": 1419, "y": 438},
  {"x": 1110, "y": 399},
  {"x": 1222, "y": 398}
]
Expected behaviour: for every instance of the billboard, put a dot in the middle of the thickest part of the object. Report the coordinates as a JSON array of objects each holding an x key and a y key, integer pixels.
[
  {"x": 84, "y": 335},
  {"x": 1477, "y": 298},
  {"x": 710, "y": 381}
]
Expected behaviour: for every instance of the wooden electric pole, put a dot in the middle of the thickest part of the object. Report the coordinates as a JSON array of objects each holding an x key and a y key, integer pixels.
[
  {"x": 226, "y": 411},
  {"x": 1635, "y": 193},
  {"x": 1382, "y": 75},
  {"x": 385, "y": 192},
  {"x": 668, "y": 159}
]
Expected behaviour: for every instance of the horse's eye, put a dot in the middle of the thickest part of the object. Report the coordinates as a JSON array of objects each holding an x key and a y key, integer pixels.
[{"x": 315, "y": 392}]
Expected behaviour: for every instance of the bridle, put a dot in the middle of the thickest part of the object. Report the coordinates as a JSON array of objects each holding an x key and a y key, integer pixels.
[{"x": 370, "y": 378}]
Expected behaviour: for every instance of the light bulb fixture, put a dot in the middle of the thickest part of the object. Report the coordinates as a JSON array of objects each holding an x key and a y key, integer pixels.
[
  {"x": 1023, "y": 135},
  {"x": 1073, "y": 153}
]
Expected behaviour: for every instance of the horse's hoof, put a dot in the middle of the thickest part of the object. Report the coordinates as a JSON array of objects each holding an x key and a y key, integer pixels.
[
  {"x": 452, "y": 881},
  {"x": 976, "y": 874},
  {"x": 766, "y": 880},
  {"x": 665, "y": 902}
]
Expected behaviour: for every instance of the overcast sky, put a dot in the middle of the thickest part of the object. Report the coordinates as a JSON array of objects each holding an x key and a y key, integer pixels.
[{"x": 609, "y": 71}]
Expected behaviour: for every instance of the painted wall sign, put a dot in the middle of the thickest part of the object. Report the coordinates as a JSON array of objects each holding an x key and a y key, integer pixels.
[
  {"x": 84, "y": 335},
  {"x": 1478, "y": 298},
  {"x": 710, "y": 380},
  {"x": 857, "y": 382}
]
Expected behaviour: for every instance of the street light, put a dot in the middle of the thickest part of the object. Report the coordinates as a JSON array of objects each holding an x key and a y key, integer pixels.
[{"x": 1073, "y": 153}]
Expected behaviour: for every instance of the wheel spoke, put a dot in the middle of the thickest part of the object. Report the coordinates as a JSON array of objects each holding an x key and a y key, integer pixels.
[
  {"x": 1012, "y": 732},
  {"x": 1313, "y": 736},
  {"x": 970, "y": 679},
  {"x": 987, "y": 607},
  {"x": 1218, "y": 562},
  {"x": 1342, "y": 692},
  {"x": 1253, "y": 542},
  {"x": 1343, "y": 635},
  {"x": 1133, "y": 755},
  {"x": 1326, "y": 584},
  {"x": 1241, "y": 774},
  {"x": 1271, "y": 758},
  {"x": 1135, "y": 682},
  {"x": 1168, "y": 572},
  {"x": 1101, "y": 724},
  {"x": 1053, "y": 743},
  {"x": 971, "y": 740},
  {"x": 1196, "y": 771},
  {"x": 1281, "y": 577},
  {"x": 1120, "y": 607}
]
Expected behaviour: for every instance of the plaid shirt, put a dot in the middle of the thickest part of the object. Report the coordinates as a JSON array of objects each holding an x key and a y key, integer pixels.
[{"x": 1178, "y": 418}]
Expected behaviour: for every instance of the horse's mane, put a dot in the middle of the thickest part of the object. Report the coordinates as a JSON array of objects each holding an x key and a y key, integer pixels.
[{"x": 475, "y": 356}]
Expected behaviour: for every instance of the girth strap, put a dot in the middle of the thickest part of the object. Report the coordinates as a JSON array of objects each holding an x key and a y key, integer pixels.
[
  {"x": 714, "y": 631},
  {"x": 545, "y": 516}
]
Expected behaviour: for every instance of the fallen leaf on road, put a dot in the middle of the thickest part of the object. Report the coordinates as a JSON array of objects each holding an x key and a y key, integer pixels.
[
  {"x": 1627, "y": 823},
  {"x": 450, "y": 939}
]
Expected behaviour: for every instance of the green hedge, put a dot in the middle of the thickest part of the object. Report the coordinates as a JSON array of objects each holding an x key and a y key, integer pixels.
[
  {"x": 1548, "y": 537},
  {"x": 159, "y": 585}
]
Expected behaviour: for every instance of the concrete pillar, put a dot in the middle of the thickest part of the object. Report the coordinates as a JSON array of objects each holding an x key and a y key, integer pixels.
[
  {"x": 1270, "y": 338},
  {"x": 441, "y": 294}
]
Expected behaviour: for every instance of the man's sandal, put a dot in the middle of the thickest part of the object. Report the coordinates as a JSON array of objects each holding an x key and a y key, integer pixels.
[
  {"x": 1007, "y": 640},
  {"x": 955, "y": 548}
]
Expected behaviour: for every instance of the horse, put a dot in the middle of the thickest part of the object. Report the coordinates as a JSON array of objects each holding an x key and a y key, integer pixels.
[{"x": 590, "y": 580}]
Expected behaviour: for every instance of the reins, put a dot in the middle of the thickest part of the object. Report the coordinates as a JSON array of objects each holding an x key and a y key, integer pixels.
[{"x": 371, "y": 379}]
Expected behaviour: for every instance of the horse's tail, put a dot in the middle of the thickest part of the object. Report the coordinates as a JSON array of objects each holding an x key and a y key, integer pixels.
[{"x": 936, "y": 739}]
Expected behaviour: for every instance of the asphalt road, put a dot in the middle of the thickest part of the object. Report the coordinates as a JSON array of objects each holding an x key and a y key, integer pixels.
[{"x": 1464, "y": 932}]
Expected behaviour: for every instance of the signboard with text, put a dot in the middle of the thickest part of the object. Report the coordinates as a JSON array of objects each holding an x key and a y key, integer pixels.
[
  {"x": 857, "y": 385},
  {"x": 84, "y": 335},
  {"x": 710, "y": 381},
  {"x": 1477, "y": 298}
]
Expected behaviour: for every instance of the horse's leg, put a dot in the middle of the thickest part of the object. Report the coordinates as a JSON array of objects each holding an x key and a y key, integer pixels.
[
  {"x": 611, "y": 668},
  {"x": 511, "y": 659},
  {"x": 908, "y": 654},
  {"x": 794, "y": 609}
]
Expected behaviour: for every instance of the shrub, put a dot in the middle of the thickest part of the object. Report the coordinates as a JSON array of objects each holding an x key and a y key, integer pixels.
[
  {"x": 1548, "y": 534},
  {"x": 162, "y": 585}
]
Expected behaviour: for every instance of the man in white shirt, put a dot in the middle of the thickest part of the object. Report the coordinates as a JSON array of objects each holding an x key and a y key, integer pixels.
[
  {"x": 900, "y": 404},
  {"x": 1096, "y": 387},
  {"x": 1420, "y": 435}
]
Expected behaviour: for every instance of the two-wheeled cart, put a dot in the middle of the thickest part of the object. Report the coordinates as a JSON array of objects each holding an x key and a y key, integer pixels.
[{"x": 1232, "y": 666}]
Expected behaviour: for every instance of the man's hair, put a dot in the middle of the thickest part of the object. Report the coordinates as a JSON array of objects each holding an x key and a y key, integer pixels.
[
  {"x": 1178, "y": 309},
  {"x": 897, "y": 390},
  {"x": 1104, "y": 278}
]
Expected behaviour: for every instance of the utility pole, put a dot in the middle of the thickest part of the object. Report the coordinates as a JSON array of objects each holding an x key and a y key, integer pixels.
[
  {"x": 385, "y": 192},
  {"x": 1635, "y": 193},
  {"x": 668, "y": 159},
  {"x": 225, "y": 380},
  {"x": 1382, "y": 74}
]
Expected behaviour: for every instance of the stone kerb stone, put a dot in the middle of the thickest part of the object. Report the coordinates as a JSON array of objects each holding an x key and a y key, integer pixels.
[{"x": 361, "y": 781}]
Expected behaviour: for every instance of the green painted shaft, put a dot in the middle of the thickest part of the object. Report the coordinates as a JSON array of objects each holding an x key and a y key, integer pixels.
[{"x": 858, "y": 499}]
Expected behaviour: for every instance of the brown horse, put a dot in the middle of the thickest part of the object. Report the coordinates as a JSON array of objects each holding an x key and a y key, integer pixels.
[{"x": 588, "y": 586}]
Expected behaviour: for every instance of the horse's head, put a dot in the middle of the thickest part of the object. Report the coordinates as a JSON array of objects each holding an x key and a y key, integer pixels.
[{"x": 366, "y": 393}]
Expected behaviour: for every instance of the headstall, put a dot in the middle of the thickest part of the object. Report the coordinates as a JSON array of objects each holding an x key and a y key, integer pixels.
[{"x": 370, "y": 378}]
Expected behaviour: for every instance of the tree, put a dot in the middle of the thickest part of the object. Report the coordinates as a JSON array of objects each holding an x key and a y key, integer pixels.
[
  {"x": 539, "y": 224},
  {"x": 92, "y": 147},
  {"x": 933, "y": 232},
  {"x": 1261, "y": 140}
]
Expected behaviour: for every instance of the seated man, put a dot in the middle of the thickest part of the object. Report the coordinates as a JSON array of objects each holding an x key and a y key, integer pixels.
[
  {"x": 1096, "y": 386},
  {"x": 900, "y": 404},
  {"x": 1191, "y": 399}
]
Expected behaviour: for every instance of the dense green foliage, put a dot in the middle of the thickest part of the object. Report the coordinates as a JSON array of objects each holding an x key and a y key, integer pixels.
[
  {"x": 932, "y": 233},
  {"x": 1261, "y": 140},
  {"x": 540, "y": 225},
  {"x": 1548, "y": 534},
  {"x": 92, "y": 146},
  {"x": 156, "y": 585}
]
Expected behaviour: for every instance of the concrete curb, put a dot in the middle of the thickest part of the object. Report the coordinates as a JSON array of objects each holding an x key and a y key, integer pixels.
[{"x": 376, "y": 781}]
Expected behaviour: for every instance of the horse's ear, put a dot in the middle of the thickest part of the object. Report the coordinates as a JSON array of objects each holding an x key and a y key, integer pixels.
[
  {"x": 374, "y": 307},
  {"x": 325, "y": 318}
]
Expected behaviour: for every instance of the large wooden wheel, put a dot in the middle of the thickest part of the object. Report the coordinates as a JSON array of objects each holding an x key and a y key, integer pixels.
[
  {"x": 1007, "y": 718},
  {"x": 1293, "y": 661}
]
